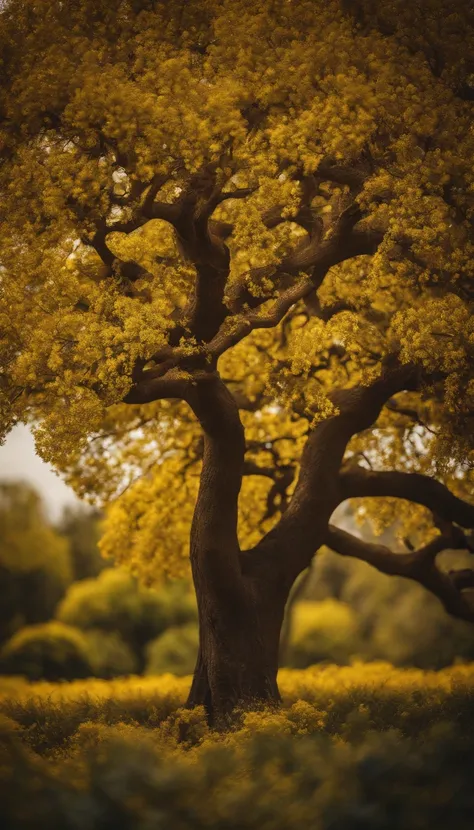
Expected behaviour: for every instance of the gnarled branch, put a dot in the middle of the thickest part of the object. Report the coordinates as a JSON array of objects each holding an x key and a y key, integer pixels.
[
  {"x": 418, "y": 565},
  {"x": 147, "y": 390},
  {"x": 298, "y": 534},
  {"x": 356, "y": 481}
]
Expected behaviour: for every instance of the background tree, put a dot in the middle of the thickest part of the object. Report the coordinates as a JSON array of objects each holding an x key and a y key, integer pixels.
[
  {"x": 81, "y": 528},
  {"x": 236, "y": 289},
  {"x": 35, "y": 564}
]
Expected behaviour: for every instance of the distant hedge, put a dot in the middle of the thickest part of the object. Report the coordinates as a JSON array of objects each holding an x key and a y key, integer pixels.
[{"x": 49, "y": 651}]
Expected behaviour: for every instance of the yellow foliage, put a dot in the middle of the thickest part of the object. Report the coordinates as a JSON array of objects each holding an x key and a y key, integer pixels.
[{"x": 106, "y": 105}]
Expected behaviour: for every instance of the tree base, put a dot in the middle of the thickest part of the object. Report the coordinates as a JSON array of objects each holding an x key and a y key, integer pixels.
[{"x": 230, "y": 688}]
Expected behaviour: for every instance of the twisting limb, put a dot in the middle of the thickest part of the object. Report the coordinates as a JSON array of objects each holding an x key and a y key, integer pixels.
[
  {"x": 418, "y": 565},
  {"x": 155, "y": 389},
  {"x": 298, "y": 534},
  {"x": 204, "y": 244},
  {"x": 232, "y": 333},
  {"x": 198, "y": 243},
  {"x": 320, "y": 261},
  {"x": 238, "y": 193},
  {"x": 343, "y": 242},
  {"x": 356, "y": 481},
  {"x": 140, "y": 216},
  {"x": 353, "y": 177},
  {"x": 129, "y": 269}
]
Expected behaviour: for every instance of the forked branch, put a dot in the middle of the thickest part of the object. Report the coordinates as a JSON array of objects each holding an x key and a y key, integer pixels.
[
  {"x": 298, "y": 534},
  {"x": 419, "y": 566}
]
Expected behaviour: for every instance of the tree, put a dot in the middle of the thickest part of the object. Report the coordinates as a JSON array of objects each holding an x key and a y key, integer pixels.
[
  {"x": 35, "y": 564},
  {"x": 237, "y": 264}
]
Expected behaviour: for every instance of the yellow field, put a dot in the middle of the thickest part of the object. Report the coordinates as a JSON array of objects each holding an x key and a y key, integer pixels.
[{"x": 393, "y": 746}]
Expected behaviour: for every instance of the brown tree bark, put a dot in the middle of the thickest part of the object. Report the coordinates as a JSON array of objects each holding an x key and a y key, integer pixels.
[
  {"x": 240, "y": 615},
  {"x": 237, "y": 662},
  {"x": 242, "y": 596}
]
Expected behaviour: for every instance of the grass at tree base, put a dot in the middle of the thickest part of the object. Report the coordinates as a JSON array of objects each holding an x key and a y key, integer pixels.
[{"x": 366, "y": 746}]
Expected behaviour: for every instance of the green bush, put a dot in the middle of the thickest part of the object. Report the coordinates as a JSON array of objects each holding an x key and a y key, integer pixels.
[
  {"x": 174, "y": 651},
  {"x": 322, "y": 632},
  {"x": 114, "y": 601},
  {"x": 50, "y": 651},
  {"x": 110, "y": 656}
]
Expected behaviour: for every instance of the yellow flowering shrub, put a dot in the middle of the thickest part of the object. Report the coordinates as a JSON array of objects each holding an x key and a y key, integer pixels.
[{"x": 368, "y": 741}]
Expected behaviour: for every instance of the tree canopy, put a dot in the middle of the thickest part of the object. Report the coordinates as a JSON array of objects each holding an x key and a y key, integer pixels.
[{"x": 219, "y": 210}]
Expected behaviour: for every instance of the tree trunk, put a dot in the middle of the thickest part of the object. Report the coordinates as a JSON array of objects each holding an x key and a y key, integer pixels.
[
  {"x": 237, "y": 662},
  {"x": 242, "y": 595}
]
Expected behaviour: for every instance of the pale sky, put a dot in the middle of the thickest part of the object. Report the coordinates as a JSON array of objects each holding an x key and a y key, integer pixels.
[{"x": 18, "y": 461}]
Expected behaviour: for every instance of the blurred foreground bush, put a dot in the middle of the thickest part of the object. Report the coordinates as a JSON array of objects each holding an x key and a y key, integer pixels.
[{"x": 356, "y": 748}]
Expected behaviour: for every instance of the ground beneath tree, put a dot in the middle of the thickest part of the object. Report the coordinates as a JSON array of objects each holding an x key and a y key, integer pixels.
[{"x": 367, "y": 746}]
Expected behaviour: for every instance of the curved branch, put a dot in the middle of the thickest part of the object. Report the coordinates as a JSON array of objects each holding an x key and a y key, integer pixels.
[
  {"x": 146, "y": 390},
  {"x": 300, "y": 531},
  {"x": 238, "y": 193},
  {"x": 198, "y": 243},
  {"x": 418, "y": 565},
  {"x": 320, "y": 260},
  {"x": 359, "y": 482},
  {"x": 352, "y": 176}
]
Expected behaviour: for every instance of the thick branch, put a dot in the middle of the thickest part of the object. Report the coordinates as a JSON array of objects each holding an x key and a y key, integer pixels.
[
  {"x": 206, "y": 250},
  {"x": 155, "y": 389},
  {"x": 321, "y": 259},
  {"x": 274, "y": 216},
  {"x": 359, "y": 482},
  {"x": 129, "y": 269},
  {"x": 418, "y": 565},
  {"x": 301, "y": 529},
  {"x": 351, "y": 176},
  {"x": 233, "y": 332}
]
